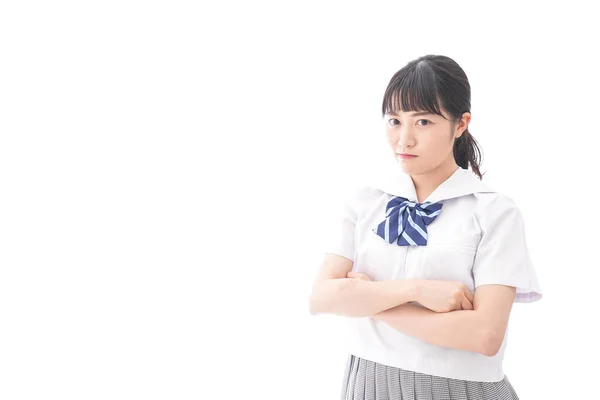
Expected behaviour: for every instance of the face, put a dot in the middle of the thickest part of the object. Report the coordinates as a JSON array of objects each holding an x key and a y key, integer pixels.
[{"x": 428, "y": 137}]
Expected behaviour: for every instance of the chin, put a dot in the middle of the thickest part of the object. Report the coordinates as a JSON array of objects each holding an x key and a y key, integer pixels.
[{"x": 411, "y": 170}]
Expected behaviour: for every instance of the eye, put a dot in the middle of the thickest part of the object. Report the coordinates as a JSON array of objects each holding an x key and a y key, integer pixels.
[
  {"x": 391, "y": 121},
  {"x": 426, "y": 120}
]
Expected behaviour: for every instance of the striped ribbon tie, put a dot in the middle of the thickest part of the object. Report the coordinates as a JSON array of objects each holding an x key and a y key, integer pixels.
[{"x": 406, "y": 221}]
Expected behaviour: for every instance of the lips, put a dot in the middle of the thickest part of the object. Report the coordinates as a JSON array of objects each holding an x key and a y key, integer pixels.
[{"x": 405, "y": 156}]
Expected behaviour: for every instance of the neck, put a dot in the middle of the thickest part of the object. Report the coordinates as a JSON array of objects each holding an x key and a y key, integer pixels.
[{"x": 426, "y": 183}]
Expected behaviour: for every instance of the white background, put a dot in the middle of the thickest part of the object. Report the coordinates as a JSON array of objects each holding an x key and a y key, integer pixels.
[{"x": 167, "y": 168}]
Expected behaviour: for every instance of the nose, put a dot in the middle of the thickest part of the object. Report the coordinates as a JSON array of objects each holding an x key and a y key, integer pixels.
[{"x": 405, "y": 139}]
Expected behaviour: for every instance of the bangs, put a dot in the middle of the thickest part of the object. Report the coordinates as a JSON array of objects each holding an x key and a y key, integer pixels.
[{"x": 413, "y": 88}]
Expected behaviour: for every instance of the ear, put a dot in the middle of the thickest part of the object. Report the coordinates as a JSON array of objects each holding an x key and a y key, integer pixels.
[{"x": 462, "y": 125}]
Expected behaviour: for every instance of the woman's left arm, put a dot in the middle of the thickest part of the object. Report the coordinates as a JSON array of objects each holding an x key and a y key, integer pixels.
[{"x": 480, "y": 330}]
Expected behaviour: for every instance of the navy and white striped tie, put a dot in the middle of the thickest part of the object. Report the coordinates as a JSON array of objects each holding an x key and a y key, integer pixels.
[{"x": 406, "y": 221}]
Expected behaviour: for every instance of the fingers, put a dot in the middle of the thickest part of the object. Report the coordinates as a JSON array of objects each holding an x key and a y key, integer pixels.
[
  {"x": 351, "y": 274},
  {"x": 468, "y": 294},
  {"x": 357, "y": 275},
  {"x": 466, "y": 304}
]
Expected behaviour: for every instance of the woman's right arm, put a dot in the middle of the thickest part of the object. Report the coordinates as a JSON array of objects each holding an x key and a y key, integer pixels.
[{"x": 333, "y": 293}]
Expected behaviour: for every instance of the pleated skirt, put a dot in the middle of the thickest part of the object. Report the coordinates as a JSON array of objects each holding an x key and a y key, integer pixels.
[{"x": 369, "y": 380}]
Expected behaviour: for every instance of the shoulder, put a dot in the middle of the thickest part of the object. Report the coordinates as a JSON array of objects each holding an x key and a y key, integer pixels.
[
  {"x": 495, "y": 200},
  {"x": 360, "y": 196},
  {"x": 360, "y": 199},
  {"x": 496, "y": 207}
]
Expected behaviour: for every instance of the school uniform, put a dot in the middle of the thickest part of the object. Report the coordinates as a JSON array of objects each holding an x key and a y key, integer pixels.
[{"x": 468, "y": 233}]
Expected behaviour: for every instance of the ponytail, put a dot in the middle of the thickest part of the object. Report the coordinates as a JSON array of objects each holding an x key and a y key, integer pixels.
[{"x": 466, "y": 151}]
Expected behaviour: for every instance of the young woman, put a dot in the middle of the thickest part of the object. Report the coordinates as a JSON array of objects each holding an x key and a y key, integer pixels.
[{"x": 428, "y": 260}]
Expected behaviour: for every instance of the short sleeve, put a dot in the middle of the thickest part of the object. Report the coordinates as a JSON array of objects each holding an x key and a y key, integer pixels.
[
  {"x": 340, "y": 229},
  {"x": 502, "y": 255}
]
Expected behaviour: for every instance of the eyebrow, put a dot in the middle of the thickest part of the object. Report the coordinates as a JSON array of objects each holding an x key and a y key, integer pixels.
[{"x": 416, "y": 114}]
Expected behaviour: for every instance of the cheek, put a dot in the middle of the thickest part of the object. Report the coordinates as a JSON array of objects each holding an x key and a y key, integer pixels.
[
  {"x": 437, "y": 145},
  {"x": 391, "y": 138}
]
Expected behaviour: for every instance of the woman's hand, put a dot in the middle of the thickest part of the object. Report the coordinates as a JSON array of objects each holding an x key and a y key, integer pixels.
[
  {"x": 444, "y": 296},
  {"x": 358, "y": 275}
]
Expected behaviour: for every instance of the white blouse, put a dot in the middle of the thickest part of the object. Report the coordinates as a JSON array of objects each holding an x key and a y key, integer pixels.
[{"x": 478, "y": 238}]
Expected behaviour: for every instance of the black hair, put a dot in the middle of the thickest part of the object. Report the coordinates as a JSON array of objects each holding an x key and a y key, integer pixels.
[{"x": 427, "y": 83}]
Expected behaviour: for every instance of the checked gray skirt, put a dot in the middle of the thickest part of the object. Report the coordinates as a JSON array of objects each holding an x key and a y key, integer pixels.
[{"x": 369, "y": 380}]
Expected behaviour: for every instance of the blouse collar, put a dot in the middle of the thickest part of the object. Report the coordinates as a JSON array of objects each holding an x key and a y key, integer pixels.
[{"x": 462, "y": 182}]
